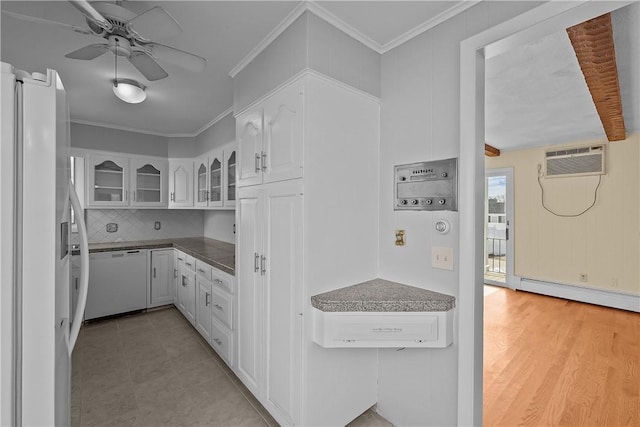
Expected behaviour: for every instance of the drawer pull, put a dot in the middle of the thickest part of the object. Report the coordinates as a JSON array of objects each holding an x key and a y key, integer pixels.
[
  {"x": 218, "y": 281},
  {"x": 206, "y": 299},
  {"x": 180, "y": 259},
  {"x": 201, "y": 270},
  {"x": 217, "y": 341},
  {"x": 218, "y": 307},
  {"x": 386, "y": 330},
  {"x": 256, "y": 262},
  {"x": 189, "y": 264}
]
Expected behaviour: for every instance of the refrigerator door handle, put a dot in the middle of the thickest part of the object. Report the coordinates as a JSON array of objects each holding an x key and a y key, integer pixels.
[{"x": 84, "y": 268}]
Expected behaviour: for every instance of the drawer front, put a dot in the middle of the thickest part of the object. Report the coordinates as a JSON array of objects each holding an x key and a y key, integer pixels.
[
  {"x": 223, "y": 280},
  {"x": 222, "y": 341},
  {"x": 222, "y": 306},
  {"x": 189, "y": 262},
  {"x": 421, "y": 329},
  {"x": 203, "y": 269}
]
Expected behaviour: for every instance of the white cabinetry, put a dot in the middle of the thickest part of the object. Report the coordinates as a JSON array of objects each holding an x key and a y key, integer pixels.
[
  {"x": 180, "y": 183},
  {"x": 291, "y": 246},
  {"x": 162, "y": 283},
  {"x": 269, "y": 294},
  {"x": 187, "y": 289},
  {"x": 118, "y": 181},
  {"x": 215, "y": 178},
  {"x": 270, "y": 138},
  {"x": 230, "y": 163},
  {"x": 148, "y": 182},
  {"x": 108, "y": 181},
  {"x": 203, "y": 307}
]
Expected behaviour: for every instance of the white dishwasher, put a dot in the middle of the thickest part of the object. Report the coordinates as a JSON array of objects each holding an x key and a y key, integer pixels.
[{"x": 117, "y": 283}]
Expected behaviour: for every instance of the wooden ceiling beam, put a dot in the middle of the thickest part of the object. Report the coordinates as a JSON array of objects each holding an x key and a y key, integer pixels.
[
  {"x": 593, "y": 44},
  {"x": 491, "y": 151}
]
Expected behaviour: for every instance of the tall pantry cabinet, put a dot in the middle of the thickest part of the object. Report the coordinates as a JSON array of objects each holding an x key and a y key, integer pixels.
[{"x": 307, "y": 216}]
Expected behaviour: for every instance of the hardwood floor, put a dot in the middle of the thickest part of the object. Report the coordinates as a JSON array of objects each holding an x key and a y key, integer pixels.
[{"x": 553, "y": 362}]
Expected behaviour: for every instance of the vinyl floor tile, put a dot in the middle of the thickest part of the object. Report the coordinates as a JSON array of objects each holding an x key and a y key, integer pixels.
[{"x": 154, "y": 370}]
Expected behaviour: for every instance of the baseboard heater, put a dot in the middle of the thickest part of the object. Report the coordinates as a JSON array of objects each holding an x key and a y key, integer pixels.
[{"x": 604, "y": 297}]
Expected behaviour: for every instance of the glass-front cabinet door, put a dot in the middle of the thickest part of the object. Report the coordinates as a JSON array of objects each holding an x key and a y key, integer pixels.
[
  {"x": 108, "y": 183},
  {"x": 215, "y": 181},
  {"x": 202, "y": 196},
  {"x": 230, "y": 165},
  {"x": 148, "y": 178}
]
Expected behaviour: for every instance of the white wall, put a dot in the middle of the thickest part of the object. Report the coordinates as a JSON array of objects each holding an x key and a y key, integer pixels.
[
  {"x": 309, "y": 42},
  {"x": 419, "y": 122},
  {"x": 121, "y": 141},
  {"x": 220, "y": 225},
  {"x": 601, "y": 243},
  {"x": 181, "y": 147},
  {"x": 220, "y": 133}
]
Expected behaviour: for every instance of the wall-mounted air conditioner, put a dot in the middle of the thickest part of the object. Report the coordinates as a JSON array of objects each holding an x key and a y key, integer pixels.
[{"x": 574, "y": 161}]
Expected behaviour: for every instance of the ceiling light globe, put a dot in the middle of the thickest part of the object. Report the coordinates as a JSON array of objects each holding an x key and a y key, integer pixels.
[{"x": 129, "y": 91}]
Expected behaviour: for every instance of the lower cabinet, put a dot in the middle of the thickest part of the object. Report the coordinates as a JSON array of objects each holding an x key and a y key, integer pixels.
[
  {"x": 205, "y": 297},
  {"x": 187, "y": 294},
  {"x": 162, "y": 283},
  {"x": 203, "y": 307},
  {"x": 269, "y": 271}
]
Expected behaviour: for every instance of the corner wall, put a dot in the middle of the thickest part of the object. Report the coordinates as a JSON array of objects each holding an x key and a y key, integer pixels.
[
  {"x": 420, "y": 122},
  {"x": 602, "y": 243}
]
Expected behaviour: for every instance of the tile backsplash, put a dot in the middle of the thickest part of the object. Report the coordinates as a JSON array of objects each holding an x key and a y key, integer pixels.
[{"x": 139, "y": 224}]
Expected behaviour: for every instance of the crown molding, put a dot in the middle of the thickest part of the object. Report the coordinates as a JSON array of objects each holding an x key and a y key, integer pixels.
[
  {"x": 321, "y": 12},
  {"x": 324, "y": 14},
  {"x": 216, "y": 119},
  {"x": 219, "y": 117},
  {"x": 427, "y": 25},
  {"x": 279, "y": 29}
]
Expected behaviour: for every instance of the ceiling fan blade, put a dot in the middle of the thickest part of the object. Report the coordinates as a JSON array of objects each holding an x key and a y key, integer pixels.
[
  {"x": 91, "y": 13},
  {"x": 91, "y": 51},
  {"x": 147, "y": 66},
  {"x": 47, "y": 22},
  {"x": 155, "y": 23},
  {"x": 176, "y": 56}
]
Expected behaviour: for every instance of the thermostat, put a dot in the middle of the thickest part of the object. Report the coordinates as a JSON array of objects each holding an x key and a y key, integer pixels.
[{"x": 443, "y": 226}]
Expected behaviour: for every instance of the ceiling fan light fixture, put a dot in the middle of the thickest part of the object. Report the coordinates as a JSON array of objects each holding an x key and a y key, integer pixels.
[{"x": 129, "y": 91}]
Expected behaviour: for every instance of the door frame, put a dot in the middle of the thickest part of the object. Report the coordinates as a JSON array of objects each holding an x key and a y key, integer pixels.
[
  {"x": 510, "y": 217},
  {"x": 531, "y": 25}
]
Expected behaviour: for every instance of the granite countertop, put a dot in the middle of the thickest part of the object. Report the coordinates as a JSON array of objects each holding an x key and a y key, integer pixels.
[
  {"x": 218, "y": 254},
  {"x": 380, "y": 295}
]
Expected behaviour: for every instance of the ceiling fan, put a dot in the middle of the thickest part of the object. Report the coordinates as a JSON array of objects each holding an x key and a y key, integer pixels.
[{"x": 128, "y": 35}]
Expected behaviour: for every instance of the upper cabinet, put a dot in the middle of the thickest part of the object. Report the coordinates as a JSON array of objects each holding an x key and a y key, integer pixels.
[
  {"x": 118, "y": 181},
  {"x": 269, "y": 138},
  {"x": 148, "y": 183},
  {"x": 108, "y": 181},
  {"x": 215, "y": 178},
  {"x": 230, "y": 162},
  {"x": 180, "y": 183}
]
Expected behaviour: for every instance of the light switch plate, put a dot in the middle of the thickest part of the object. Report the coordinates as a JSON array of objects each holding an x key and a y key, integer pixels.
[{"x": 442, "y": 258}]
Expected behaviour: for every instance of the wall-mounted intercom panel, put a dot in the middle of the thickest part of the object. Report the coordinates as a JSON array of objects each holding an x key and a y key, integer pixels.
[{"x": 427, "y": 186}]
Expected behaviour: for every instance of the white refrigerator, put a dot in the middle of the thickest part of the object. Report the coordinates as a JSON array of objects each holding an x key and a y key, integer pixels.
[{"x": 36, "y": 334}]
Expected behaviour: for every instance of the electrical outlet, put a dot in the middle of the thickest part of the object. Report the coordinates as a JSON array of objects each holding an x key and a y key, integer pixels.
[
  {"x": 157, "y": 225},
  {"x": 442, "y": 258},
  {"x": 614, "y": 282},
  {"x": 584, "y": 277},
  {"x": 399, "y": 237},
  {"x": 112, "y": 227}
]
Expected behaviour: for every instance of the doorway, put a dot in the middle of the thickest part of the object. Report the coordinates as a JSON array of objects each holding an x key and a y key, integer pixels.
[
  {"x": 542, "y": 20},
  {"x": 498, "y": 207}
]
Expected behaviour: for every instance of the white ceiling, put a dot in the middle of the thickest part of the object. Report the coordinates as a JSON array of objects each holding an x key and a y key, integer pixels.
[
  {"x": 536, "y": 95},
  {"x": 224, "y": 32}
]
